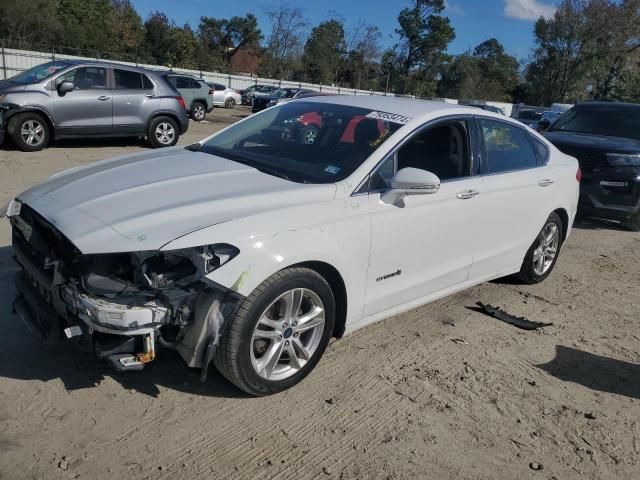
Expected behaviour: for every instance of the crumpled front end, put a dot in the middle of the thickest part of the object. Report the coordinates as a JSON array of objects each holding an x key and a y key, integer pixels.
[{"x": 130, "y": 303}]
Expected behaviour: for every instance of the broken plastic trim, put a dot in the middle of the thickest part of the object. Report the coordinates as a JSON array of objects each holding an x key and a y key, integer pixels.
[{"x": 503, "y": 316}]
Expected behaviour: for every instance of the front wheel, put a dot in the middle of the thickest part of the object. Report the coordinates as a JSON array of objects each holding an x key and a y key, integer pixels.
[
  {"x": 543, "y": 253},
  {"x": 162, "y": 132},
  {"x": 29, "y": 131},
  {"x": 278, "y": 334},
  {"x": 198, "y": 111},
  {"x": 230, "y": 103},
  {"x": 632, "y": 223}
]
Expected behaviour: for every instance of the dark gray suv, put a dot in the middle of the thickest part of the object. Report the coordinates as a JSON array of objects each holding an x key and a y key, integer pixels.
[{"x": 68, "y": 98}]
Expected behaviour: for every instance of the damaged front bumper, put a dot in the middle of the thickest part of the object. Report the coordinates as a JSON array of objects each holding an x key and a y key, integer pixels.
[{"x": 126, "y": 330}]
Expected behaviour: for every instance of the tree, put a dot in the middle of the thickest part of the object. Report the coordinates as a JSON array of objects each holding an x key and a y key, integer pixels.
[
  {"x": 87, "y": 24},
  {"x": 285, "y": 42},
  {"x": 424, "y": 36},
  {"x": 363, "y": 55},
  {"x": 32, "y": 23},
  {"x": 127, "y": 28},
  {"x": 157, "y": 37},
  {"x": 487, "y": 73},
  {"x": 220, "y": 38},
  {"x": 324, "y": 51}
]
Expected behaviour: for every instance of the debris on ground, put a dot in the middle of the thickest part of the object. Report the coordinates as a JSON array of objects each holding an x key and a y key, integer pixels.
[
  {"x": 535, "y": 466},
  {"x": 503, "y": 316}
]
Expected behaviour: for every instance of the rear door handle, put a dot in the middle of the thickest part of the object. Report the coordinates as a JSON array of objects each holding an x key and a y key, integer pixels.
[
  {"x": 103, "y": 98},
  {"x": 148, "y": 95},
  {"x": 545, "y": 182},
  {"x": 467, "y": 194}
]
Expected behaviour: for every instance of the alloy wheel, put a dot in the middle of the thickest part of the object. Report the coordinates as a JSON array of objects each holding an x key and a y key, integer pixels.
[
  {"x": 199, "y": 112},
  {"x": 32, "y": 133},
  {"x": 287, "y": 334},
  {"x": 165, "y": 133},
  {"x": 546, "y": 249}
]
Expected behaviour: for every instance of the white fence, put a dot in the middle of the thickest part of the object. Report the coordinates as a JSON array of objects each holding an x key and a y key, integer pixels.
[{"x": 13, "y": 61}]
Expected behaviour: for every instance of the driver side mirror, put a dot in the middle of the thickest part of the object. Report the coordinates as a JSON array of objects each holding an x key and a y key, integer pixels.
[
  {"x": 411, "y": 181},
  {"x": 66, "y": 87}
]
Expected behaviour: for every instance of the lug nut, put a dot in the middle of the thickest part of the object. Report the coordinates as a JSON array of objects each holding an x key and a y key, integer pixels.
[
  {"x": 295, "y": 324},
  {"x": 295, "y": 335},
  {"x": 279, "y": 337},
  {"x": 286, "y": 344},
  {"x": 285, "y": 325}
]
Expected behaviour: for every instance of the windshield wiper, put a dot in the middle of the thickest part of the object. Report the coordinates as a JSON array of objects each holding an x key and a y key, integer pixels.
[{"x": 194, "y": 147}]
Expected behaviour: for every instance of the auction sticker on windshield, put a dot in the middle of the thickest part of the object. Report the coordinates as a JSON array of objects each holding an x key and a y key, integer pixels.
[{"x": 389, "y": 117}]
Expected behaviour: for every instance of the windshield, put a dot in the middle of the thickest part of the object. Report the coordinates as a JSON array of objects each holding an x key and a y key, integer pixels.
[
  {"x": 305, "y": 142},
  {"x": 609, "y": 121},
  {"x": 529, "y": 115},
  {"x": 36, "y": 74},
  {"x": 284, "y": 93}
]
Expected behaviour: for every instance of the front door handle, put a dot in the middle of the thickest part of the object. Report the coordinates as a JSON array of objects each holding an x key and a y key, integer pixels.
[
  {"x": 545, "y": 182},
  {"x": 103, "y": 98},
  {"x": 467, "y": 194},
  {"x": 148, "y": 95}
]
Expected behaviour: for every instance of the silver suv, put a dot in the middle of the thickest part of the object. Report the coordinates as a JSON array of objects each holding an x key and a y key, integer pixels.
[{"x": 69, "y": 98}]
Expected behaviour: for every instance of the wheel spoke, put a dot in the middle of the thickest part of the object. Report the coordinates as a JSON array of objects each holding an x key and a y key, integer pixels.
[
  {"x": 274, "y": 324},
  {"x": 292, "y": 304},
  {"x": 267, "y": 334},
  {"x": 301, "y": 349},
  {"x": 270, "y": 359},
  {"x": 310, "y": 324},
  {"x": 294, "y": 361}
]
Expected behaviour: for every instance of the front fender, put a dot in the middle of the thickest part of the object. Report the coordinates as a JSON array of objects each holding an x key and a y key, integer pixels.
[{"x": 335, "y": 232}]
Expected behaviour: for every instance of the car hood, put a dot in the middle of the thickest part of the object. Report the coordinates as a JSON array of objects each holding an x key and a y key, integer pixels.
[
  {"x": 594, "y": 142},
  {"x": 8, "y": 87},
  {"x": 143, "y": 201}
]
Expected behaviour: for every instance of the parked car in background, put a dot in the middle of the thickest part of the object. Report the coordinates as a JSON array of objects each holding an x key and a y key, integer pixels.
[
  {"x": 282, "y": 95},
  {"x": 529, "y": 117},
  {"x": 605, "y": 138},
  {"x": 197, "y": 95},
  {"x": 488, "y": 108},
  {"x": 248, "y": 94},
  {"x": 79, "y": 98},
  {"x": 547, "y": 119},
  {"x": 224, "y": 96},
  {"x": 267, "y": 245}
]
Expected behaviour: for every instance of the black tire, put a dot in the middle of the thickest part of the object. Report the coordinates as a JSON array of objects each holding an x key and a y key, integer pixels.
[
  {"x": 527, "y": 273},
  {"x": 632, "y": 223},
  {"x": 33, "y": 122},
  {"x": 230, "y": 103},
  {"x": 233, "y": 355},
  {"x": 198, "y": 111},
  {"x": 309, "y": 134},
  {"x": 155, "y": 140}
]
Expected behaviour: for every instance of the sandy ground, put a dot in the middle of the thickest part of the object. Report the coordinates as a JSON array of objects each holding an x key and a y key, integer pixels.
[{"x": 442, "y": 392}]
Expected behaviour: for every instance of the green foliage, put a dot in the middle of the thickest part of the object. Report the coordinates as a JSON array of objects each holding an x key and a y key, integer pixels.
[{"x": 324, "y": 50}]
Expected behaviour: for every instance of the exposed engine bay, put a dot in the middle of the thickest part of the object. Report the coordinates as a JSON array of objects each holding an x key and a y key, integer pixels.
[{"x": 128, "y": 302}]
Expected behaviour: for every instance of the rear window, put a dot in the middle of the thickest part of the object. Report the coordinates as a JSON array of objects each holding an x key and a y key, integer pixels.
[
  {"x": 126, "y": 79},
  {"x": 529, "y": 115},
  {"x": 609, "y": 121}
]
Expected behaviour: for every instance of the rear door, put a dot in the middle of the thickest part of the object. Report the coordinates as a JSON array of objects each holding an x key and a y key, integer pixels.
[
  {"x": 219, "y": 94},
  {"x": 132, "y": 93},
  {"x": 517, "y": 195},
  {"x": 88, "y": 109}
]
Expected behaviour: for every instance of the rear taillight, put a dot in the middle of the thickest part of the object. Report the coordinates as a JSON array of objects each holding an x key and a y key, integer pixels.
[
  {"x": 181, "y": 102},
  {"x": 579, "y": 174},
  {"x": 211, "y": 91}
]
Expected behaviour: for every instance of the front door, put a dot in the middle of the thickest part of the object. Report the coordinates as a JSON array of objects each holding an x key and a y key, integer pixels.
[
  {"x": 88, "y": 109},
  {"x": 424, "y": 244}
]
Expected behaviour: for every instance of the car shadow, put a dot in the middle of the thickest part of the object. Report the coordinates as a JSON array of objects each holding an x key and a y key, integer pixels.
[
  {"x": 594, "y": 371},
  {"x": 87, "y": 143},
  {"x": 589, "y": 223},
  {"x": 25, "y": 357}
]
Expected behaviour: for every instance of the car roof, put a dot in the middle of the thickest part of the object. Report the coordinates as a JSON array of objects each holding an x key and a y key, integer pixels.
[
  {"x": 608, "y": 104},
  {"x": 409, "y": 107}
]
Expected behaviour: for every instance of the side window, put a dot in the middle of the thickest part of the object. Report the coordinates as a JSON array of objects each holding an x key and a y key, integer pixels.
[
  {"x": 542, "y": 151},
  {"x": 146, "y": 83},
  {"x": 183, "y": 82},
  {"x": 86, "y": 78},
  {"x": 194, "y": 83},
  {"x": 442, "y": 149},
  {"x": 220, "y": 87},
  {"x": 507, "y": 147},
  {"x": 126, "y": 79},
  {"x": 173, "y": 81},
  {"x": 380, "y": 179}
]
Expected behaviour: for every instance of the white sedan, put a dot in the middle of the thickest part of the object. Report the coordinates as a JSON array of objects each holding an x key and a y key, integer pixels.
[{"x": 253, "y": 247}]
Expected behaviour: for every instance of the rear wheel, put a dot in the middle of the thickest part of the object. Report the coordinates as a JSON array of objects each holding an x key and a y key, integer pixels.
[
  {"x": 278, "y": 334},
  {"x": 198, "y": 111},
  {"x": 162, "y": 132},
  {"x": 310, "y": 134},
  {"x": 543, "y": 253},
  {"x": 632, "y": 223},
  {"x": 29, "y": 131},
  {"x": 230, "y": 103}
]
